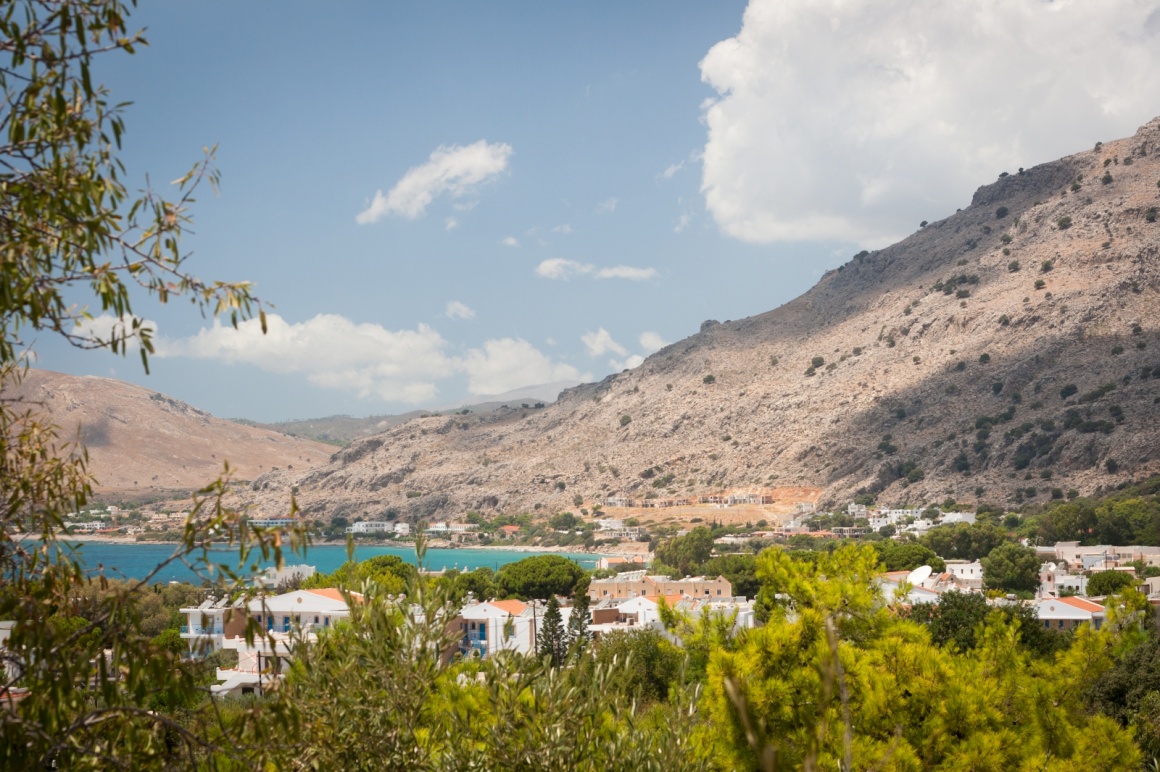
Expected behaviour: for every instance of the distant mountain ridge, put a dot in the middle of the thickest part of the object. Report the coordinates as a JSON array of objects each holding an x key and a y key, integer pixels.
[
  {"x": 143, "y": 444},
  {"x": 343, "y": 429},
  {"x": 1004, "y": 353}
]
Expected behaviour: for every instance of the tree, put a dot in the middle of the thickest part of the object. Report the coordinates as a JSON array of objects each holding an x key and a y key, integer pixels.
[
  {"x": 72, "y": 235},
  {"x": 687, "y": 553},
  {"x": 539, "y": 576},
  {"x": 551, "y": 641},
  {"x": 964, "y": 541},
  {"x": 1108, "y": 582},
  {"x": 651, "y": 663},
  {"x": 1011, "y": 567},
  {"x": 897, "y": 556},
  {"x": 740, "y": 570},
  {"x": 835, "y": 681},
  {"x": 577, "y": 636}
]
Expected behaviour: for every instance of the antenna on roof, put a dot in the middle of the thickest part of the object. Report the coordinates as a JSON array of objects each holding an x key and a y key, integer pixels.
[{"x": 919, "y": 575}]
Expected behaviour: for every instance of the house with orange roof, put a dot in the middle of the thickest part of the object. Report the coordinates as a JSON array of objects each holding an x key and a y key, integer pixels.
[
  {"x": 1069, "y": 613},
  {"x": 482, "y": 629}
]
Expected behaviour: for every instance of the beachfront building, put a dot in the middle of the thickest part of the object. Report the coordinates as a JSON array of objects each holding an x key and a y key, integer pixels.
[{"x": 634, "y": 584}]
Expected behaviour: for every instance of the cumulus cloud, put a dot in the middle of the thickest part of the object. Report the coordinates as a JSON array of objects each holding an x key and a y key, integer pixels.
[
  {"x": 330, "y": 351},
  {"x": 104, "y": 328},
  {"x": 450, "y": 224},
  {"x": 564, "y": 229},
  {"x": 601, "y": 342},
  {"x": 855, "y": 119},
  {"x": 454, "y": 170},
  {"x": 562, "y": 268},
  {"x": 333, "y": 352},
  {"x": 509, "y": 363},
  {"x": 510, "y": 241},
  {"x": 652, "y": 341},
  {"x": 671, "y": 170},
  {"x": 607, "y": 206},
  {"x": 626, "y": 364},
  {"x": 457, "y": 310}
]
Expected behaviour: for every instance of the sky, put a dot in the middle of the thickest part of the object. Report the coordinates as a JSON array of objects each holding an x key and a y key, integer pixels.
[{"x": 441, "y": 201}]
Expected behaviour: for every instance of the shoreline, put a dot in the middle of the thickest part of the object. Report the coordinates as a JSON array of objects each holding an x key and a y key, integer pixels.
[{"x": 435, "y": 544}]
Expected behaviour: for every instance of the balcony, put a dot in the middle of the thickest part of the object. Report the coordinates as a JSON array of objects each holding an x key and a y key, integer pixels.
[{"x": 197, "y": 631}]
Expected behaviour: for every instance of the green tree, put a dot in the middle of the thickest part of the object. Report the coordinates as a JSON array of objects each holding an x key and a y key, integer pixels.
[
  {"x": 651, "y": 663},
  {"x": 1011, "y": 567},
  {"x": 551, "y": 640},
  {"x": 898, "y": 556},
  {"x": 1109, "y": 582},
  {"x": 740, "y": 570},
  {"x": 577, "y": 635},
  {"x": 837, "y": 681},
  {"x": 539, "y": 576},
  {"x": 74, "y": 242},
  {"x": 687, "y": 553},
  {"x": 964, "y": 541}
]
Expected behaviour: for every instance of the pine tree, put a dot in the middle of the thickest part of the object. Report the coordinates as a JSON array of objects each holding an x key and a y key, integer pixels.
[
  {"x": 552, "y": 642},
  {"x": 578, "y": 635}
]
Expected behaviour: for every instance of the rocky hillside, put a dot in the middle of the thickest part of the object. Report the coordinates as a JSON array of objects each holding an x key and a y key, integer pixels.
[
  {"x": 143, "y": 444},
  {"x": 1003, "y": 352}
]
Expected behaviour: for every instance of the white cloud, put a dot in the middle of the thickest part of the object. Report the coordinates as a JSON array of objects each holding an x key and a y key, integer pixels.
[
  {"x": 454, "y": 170},
  {"x": 457, "y": 310},
  {"x": 564, "y": 229},
  {"x": 626, "y": 364},
  {"x": 625, "y": 272},
  {"x": 682, "y": 222},
  {"x": 450, "y": 224},
  {"x": 652, "y": 341},
  {"x": 607, "y": 206},
  {"x": 333, "y": 352},
  {"x": 103, "y": 328},
  {"x": 853, "y": 119},
  {"x": 562, "y": 268},
  {"x": 510, "y": 241},
  {"x": 330, "y": 351},
  {"x": 600, "y": 342},
  {"x": 509, "y": 363},
  {"x": 671, "y": 171}
]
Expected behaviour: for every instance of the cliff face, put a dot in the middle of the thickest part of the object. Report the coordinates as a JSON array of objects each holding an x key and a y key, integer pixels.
[
  {"x": 1008, "y": 347},
  {"x": 143, "y": 444}
]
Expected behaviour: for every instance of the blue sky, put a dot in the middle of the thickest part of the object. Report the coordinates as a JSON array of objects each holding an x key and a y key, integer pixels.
[{"x": 448, "y": 200}]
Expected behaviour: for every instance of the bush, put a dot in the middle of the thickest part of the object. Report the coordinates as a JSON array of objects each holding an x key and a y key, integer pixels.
[
  {"x": 1117, "y": 350},
  {"x": 1013, "y": 266},
  {"x": 1040, "y": 284},
  {"x": 1004, "y": 320},
  {"x": 1006, "y": 238},
  {"x": 1068, "y": 390},
  {"x": 984, "y": 358},
  {"x": 1150, "y": 215},
  {"x": 1107, "y": 178},
  {"x": 625, "y": 420},
  {"x": 1046, "y": 266},
  {"x": 1001, "y": 212},
  {"x": 709, "y": 379},
  {"x": 817, "y": 362},
  {"x": 1063, "y": 223},
  {"x": 963, "y": 293}
]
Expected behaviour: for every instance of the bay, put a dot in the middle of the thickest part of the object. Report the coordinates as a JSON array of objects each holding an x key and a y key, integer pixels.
[{"x": 136, "y": 561}]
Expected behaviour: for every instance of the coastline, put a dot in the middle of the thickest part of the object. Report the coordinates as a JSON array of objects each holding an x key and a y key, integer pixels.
[{"x": 432, "y": 544}]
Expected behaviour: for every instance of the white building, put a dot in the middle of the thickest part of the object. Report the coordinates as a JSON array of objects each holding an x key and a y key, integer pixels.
[{"x": 500, "y": 625}]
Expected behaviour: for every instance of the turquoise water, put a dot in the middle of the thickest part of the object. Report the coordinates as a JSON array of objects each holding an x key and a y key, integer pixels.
[{"x": 135, "y": 561}]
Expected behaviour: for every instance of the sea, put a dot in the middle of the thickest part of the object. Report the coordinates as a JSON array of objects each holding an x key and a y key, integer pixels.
[{"x": 137, "y": 561}]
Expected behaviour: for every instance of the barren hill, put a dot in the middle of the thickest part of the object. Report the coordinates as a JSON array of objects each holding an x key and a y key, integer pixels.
[
  {"x": 145, "y": 444},
  {"x": 1003, "y": 352}
]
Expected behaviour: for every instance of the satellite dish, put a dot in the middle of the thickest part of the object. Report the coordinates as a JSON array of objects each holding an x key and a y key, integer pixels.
[{"x": 919, "y": 575}]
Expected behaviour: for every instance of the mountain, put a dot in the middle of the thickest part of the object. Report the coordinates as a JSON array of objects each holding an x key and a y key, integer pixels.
[
  {"x": 998, "y": 354},
  {"x": 342, "y": 429},
  {"x": 143, "y": 444}
]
